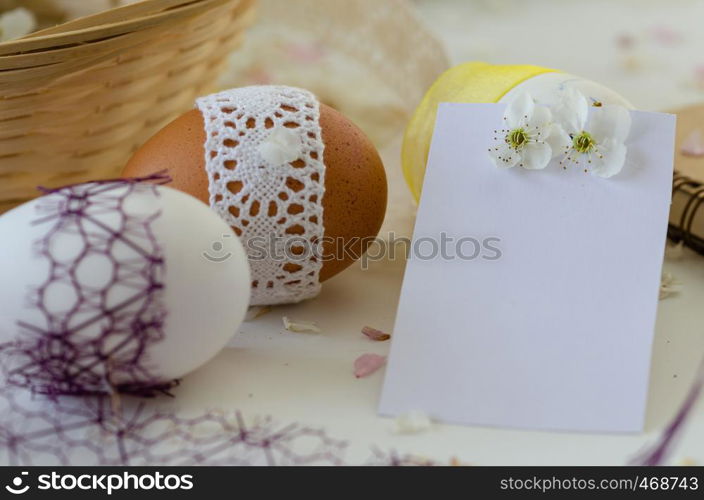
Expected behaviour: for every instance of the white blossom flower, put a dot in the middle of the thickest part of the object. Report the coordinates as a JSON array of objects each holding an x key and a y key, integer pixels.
[
  {"x": 283, "y": 145},
  {"x": 524, "y": 140},
  {"x": 590, "y": 136},
  {"x": 16, "y": 23}
]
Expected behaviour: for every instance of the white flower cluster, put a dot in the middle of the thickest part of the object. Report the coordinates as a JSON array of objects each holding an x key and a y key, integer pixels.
[{"x": 592, "y": 137}]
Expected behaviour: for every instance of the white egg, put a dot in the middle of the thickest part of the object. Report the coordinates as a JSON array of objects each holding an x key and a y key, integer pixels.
[{"x": 114, "y": 284}]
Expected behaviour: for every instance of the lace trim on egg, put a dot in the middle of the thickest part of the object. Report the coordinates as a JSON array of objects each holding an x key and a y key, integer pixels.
[{"x": 264, "y": 158}]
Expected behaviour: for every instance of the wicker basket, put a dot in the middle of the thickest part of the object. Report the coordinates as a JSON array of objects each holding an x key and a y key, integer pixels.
[{"x": 77, "y": 99}]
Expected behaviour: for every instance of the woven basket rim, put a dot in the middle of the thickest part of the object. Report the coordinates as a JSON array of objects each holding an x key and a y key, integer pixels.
[{"x": 108, "y": 24}]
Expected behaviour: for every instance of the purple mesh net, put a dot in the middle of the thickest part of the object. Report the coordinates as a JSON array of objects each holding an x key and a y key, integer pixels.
[
  {"x": 124, "y": 430},
  {"x": 95, "y": 430},
  {"x": 97, "y": 342}
]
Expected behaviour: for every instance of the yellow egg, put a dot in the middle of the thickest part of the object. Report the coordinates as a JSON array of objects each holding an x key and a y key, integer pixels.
[{"x": 480, "y": 82}]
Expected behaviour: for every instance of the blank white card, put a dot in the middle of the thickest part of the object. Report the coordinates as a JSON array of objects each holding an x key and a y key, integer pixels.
[{"x": 551, "y": 325}]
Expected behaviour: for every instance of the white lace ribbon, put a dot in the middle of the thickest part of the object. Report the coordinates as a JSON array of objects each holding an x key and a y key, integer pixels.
[{"x": 264, "y": 158}]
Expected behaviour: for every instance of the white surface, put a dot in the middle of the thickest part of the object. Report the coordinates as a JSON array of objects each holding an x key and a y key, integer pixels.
[
  {"x": 308, "y": 378},
  {"x": 555, "y": 332}
]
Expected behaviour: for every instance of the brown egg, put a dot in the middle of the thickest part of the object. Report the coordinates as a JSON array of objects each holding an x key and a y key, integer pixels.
[{"x": 354, "y": 203}]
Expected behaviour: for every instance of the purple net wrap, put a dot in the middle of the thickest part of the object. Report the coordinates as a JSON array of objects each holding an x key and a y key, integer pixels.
[
  {"x": 104, "y": 430},
  {"x": 98, "y": 345},
  {"x": 98, "y": 430}
]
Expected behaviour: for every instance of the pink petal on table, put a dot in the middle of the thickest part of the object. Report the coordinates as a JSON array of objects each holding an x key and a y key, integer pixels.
[
  {"x": 693, "y": 145},
  {"x": 367, "y": 364},
  {"x": 665, "y": 35},
  {"x": 375, "y": 334},
  {"x": 306, "y": 53}
]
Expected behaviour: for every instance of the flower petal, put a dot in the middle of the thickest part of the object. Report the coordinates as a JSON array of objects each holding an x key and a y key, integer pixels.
[
  {"x": 669, "y": 286},
  {"x": 283, "y": 145},
  {"x": 374, "y": 334},
  {"x": 300, "y": 326},
  {"x": 412, "y": 422},
  {"x": 536, "y": 155},
  {"x": 539, "y": 119},
  {"x": 367, "y": 364},
  {"x": 613, "y": 157},
  {"x": 519, "y": 111},
  {"x": 610, "y": 122},
  {"x": 558, "y": 140},
  {"x": 503, "y": 156},
  {"x": 572, "y": 111},
  {"x": 693, "y": 145}
]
